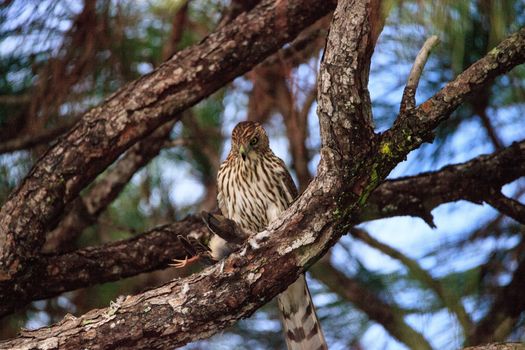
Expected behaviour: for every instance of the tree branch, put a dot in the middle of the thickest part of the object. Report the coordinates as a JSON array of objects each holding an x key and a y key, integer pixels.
[
  {"x": 415, "y": 195},
  {"x": 499, "y": 346},
  {"x": 411, "y": 128},
  {"x": 408, "y": 101},
  {"x": 418, "y": 195},
  {"x": 53, "y": 274},
  {"x": 257, "y": 273},
  {"x": 508, "y": 206},
  {"x": 135, "y": 111},
  {"x": 84, "y": 211},
  {"x": 46, "y": 135},
  {"x": 352, "y": 165}
]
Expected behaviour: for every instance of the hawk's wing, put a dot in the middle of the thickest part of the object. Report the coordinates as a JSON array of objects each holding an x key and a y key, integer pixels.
[
  {"x": 220, "y": 192},
  {"x": 288, "y": 181}
]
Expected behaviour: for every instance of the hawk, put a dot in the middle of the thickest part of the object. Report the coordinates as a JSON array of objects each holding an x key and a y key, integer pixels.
[{"x": 254, "y": 187}]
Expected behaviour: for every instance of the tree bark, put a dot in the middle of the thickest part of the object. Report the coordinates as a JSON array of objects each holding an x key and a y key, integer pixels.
[
  {"x": 135, "y": 111},
  {"x": 353, "y": 163},
  {"x": 414, "y": 196},
  {"x": 57, "y": 273},
  {"x": 475, "y": 181},
  {"x": 85, "y": 210},
  {"x": 498, "y": 346}
]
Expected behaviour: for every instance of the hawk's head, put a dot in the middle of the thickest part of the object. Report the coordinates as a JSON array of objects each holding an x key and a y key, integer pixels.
[{"x": 249, "y": 140}]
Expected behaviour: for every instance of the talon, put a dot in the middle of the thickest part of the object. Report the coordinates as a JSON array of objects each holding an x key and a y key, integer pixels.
[{"x": 180, "y": 263}]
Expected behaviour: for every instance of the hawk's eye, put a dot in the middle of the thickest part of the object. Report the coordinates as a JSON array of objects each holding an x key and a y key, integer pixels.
[{"x": 254, "y": 141}]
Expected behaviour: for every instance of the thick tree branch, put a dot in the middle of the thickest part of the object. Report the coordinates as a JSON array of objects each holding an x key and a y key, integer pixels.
[
  {"x": 474, "y": 181},
  {"x": 57, "y": 273},
  {"x": 353, "y": 118},
  {"x": 135, "y": 111},
  {"x": 388, "y": 316},
  {"x": 352, "y": 165},
  {"x": 415, "y": 196},
  {"x": 85, "y": 210},
  {"x": 498, "y": 346},
  {"x": 257, "y": 273}
]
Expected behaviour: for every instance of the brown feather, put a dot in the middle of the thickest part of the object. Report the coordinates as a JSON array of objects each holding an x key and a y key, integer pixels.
[{"x": 254, "y": 187}]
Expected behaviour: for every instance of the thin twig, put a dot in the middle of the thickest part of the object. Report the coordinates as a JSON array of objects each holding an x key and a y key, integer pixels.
[
  {"x": 508, "y": 206},
  {"x": 176, "y": 143},
  {"x": 15, "y": 99},
  {"x": 31, "y": 140},
  {"x": 409, "y": 94}
]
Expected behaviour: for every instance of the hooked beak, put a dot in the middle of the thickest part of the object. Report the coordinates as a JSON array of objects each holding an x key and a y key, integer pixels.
[{"x": 243, "y": 151}]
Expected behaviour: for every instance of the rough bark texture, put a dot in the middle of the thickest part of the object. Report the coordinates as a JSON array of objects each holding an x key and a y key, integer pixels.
[
  {"x": 414, "y": 126},
  {"x": 476, "y": 180},
  {"x": 136, "y": 110},
  {"x": 499, "y": 346},
  {"x": 353, "y": 163},
  {"x": 58, "y": 273},
  {"x": 508, "y": 206},
  {"x": 405, "y": 196},
  {"x": 85, "y": 210}
]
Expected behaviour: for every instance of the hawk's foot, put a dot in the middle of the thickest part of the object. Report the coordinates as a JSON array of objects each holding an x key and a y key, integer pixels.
[{"x": 180, "y": 263}]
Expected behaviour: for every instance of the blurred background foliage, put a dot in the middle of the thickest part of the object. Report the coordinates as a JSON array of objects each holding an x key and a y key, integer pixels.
[{"x": 59, "y": 58}]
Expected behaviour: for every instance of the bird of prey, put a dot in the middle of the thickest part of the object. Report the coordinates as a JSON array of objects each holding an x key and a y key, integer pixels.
[{"x": 254, "y": 187}]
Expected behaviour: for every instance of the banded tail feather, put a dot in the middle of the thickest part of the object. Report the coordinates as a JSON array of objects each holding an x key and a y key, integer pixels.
[{"x": 301, "y": 327}]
